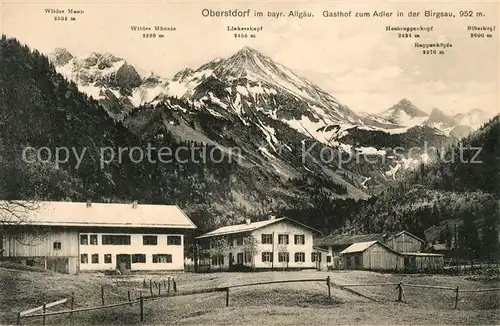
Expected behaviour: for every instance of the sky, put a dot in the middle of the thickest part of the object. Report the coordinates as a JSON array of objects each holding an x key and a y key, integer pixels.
[{"x": 354, "y": 59}]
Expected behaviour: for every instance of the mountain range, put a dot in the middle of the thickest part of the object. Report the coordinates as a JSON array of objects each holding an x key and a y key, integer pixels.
[
  {"x": 270, "y": 102},
  {"x": 118, "y": 85},
  {"x": 405, "y": 114},
  {"x": 295, "y": 142}
]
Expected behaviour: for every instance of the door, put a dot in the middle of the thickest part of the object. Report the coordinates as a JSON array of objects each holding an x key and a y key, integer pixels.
[{"x": 123, "y": 262}]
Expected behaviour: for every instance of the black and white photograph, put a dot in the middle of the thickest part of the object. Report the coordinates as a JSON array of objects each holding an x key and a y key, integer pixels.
[{"x": 249, "y": 163}]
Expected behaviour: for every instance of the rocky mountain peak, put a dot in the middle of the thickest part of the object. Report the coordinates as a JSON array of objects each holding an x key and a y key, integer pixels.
[
  {"x": 409, "y": 108},
  {"x": 247, "y": 62},
  {"x": 437, "y": 116},
  {"x": 60, "y": 57}
]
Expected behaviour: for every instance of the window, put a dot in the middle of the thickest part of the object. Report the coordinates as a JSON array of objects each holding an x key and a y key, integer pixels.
[
  {"x": 300, "y": 257},
  {"x": 84, "y": 259},
  {"x": 239, "y": 241},
  {"x": 138, "y": 258},
  {"x": 95, "y": 258},
  {"x": 356, "y": 260},
  {"x": 300, "y": 239},
  {"x": 283, "y": 257},
  {"x": 107, "y": 258},
  {"x": 149, "y": 240},
  {"x": 113, "y": 239},
  {"x": 174, "y": 240},
  {"x": 162, "y": 258},
  {"x": 218, "y": 260},
  {"x": 283, "y": 239},
  {"x": 239, "y": 258},
  {"x": 267, "y": 239},
  {"x": 93, "y": 239},
  {"x": 328, "y": 259},
  {"x": 316, "y": 257},
  {"x": 84, "y": 239},
  {"x": 57, "y": 245},
  {"x": 267, "y": 257}
]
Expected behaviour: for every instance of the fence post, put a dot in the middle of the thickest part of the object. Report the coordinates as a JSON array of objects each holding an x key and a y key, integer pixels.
[
  {"x": 18, "y": 318},
  {"x": 159, "y": 288},
  {"x": 129, "y": 298},
  {"x": 175, "y": 285},
  {"x": 168, "y": 289},
  {"x": 456, "y": 298},
  {"x": 164, "y": 284},
  {"x": 72, "y": 300},
  {"x": 329, "y": 288},
  {"x": 141, "y": 304},
  {"x": 400, "y": 291},
  {"x": 44, "y": 309},
  {"x": 102, "y": 295},
  {"x": 144, "y": 284},
  {"x": 227, "y": 297}
]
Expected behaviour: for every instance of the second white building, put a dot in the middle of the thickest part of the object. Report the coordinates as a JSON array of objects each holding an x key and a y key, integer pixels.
[{"x": 276, "y": 243}]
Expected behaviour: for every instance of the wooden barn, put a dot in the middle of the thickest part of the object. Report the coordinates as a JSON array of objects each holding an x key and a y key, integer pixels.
[
  {"x": 334, "y": 244},
  {"x": 372, "y": 255},
  {"x": 70, "y": 237},
  {"x": 404, "y": 241}
]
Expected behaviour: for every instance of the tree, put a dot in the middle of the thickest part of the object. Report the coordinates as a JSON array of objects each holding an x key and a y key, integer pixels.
[
  {"x": 468, "y": 237},
  {"x": 490, "y": 234},
  {"x": 219, "y": 247},
  {"x": 16, "y": 213},
  {"x": 195, "y": 250},
  {"x": 250, "y": 248},
  {"x": 446, "y": 237},
  {"x": 282, "y": 248}
]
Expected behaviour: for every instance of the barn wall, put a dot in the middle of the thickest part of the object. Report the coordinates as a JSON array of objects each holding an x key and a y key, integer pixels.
[
  {"x": 379, "y": 257},
  {"x": 424, "y": 262},
  {"x": 352, "y": 261},
  {"x": 405, "y": 243},
  {"x": 40, "y": 246}
]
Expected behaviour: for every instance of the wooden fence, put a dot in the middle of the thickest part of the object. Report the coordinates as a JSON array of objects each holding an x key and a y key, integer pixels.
[
  {"x": 401, "y": 294},
  {"x": 168, "y": 294},
  {"x": 152, "y": 285}
]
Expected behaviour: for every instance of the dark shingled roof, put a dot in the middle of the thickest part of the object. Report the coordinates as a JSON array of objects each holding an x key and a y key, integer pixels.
[{"x": 347, "y": 239}]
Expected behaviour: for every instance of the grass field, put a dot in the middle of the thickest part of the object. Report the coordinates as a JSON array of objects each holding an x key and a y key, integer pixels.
[{"x": 276, "y": 304}]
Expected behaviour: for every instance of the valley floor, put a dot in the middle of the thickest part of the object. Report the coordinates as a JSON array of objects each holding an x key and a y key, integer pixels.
[{"x": 276, "y": 304}]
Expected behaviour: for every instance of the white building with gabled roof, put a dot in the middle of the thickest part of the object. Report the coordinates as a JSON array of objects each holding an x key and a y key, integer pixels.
[
  {"x": 72, "y": 237},
  {"x": 276, "y": 243}
]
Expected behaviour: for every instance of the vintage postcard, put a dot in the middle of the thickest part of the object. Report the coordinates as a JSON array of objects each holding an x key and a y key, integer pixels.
[{"x": 249, "y": 163}]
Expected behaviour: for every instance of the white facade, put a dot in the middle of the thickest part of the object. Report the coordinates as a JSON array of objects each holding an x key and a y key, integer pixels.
[
  {"x": 136, "y": 256},
  {"x": 97, "y": 236},
  {"x": 289, "y": 239}
]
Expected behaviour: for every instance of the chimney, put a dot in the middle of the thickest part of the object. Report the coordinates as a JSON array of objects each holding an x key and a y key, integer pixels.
[
  {"x": 248, "y": 221},
  {"x": 134, "y": 204},
  {"x": 89, "y": 203}
]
